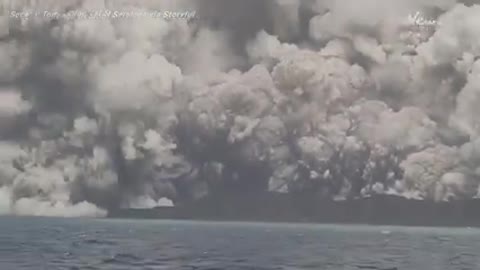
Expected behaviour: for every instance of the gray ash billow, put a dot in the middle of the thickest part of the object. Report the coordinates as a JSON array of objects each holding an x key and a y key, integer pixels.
[{"x": 331, "y": 97}]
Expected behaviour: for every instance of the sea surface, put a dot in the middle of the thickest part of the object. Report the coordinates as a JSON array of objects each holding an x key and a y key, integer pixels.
[{"x": 54, "y": 243}]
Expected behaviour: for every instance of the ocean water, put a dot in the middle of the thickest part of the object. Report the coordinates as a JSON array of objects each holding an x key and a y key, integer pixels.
[{"x": 52, "y": 243}]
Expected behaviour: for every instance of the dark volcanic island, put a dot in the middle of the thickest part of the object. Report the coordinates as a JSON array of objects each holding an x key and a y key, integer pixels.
[{"x": 278, "y": 207}]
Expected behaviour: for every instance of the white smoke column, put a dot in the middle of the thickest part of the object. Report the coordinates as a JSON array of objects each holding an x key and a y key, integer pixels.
[
  {"x": 342, "y": 99},
  {"x": 424, "y": 170},
  {"x": 5, "y": 201},
  {"x": 32, "y": 207},
  {"x": 464, "y": 116},
  {"x": 457, "y": 34}
]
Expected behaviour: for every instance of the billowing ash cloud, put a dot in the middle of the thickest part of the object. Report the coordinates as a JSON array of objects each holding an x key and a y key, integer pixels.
[{"x": 328, "y": 97}]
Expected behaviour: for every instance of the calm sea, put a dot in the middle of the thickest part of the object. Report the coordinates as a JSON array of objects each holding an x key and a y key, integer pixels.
[{"x": 52, "y": 243}]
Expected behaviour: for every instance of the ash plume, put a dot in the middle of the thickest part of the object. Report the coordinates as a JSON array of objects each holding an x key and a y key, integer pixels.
[{"x": 331, "y": 97}]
